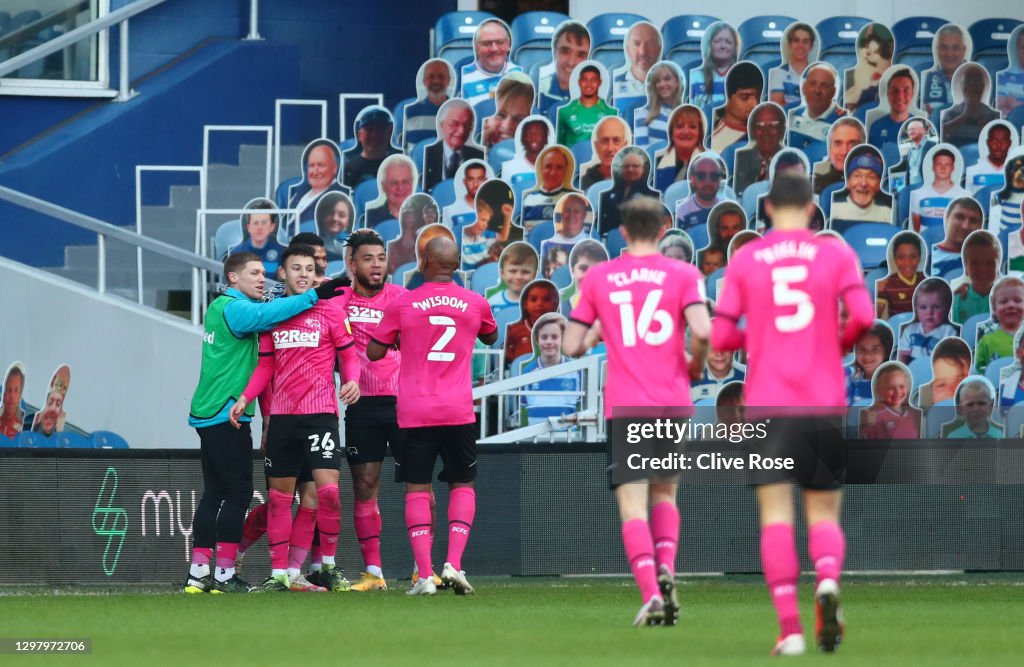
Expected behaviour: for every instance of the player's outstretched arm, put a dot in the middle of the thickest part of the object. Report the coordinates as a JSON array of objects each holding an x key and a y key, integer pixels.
[{"x": 245, "y": 317}]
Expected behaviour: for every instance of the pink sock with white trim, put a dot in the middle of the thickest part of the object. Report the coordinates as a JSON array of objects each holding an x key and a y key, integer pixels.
[
  {"x": 417, "y": 521},
  {"x": 782, "y": 573},
  {"x": 461, "y": 510},
  {"x": 665, "y": 531},
  {"x": 827, "y": 548},
  {"x": 636, "y": 537}
]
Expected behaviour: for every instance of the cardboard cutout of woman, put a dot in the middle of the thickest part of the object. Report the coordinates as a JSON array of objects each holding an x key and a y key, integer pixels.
[
  {"x": 677, "y": 244},
  {"x": 418, "y": 211},
  {"x": 631, "y": 170},
  {"x": 972, "y": 89},
  {"x": 799, "y": 47},
  {"x": 335, "y": 220},
  {"x": 687, "y": 128},
  {"x": 720, "y": 47},
  {"x": 554, "y": 171},
  {"x": 52, "y": 417},
  {"x": 435, "y": 85},
  {"x": 875, "y": 48},
  {"x": 665, "y": 87},
  {"x": 12, "y": 414}
]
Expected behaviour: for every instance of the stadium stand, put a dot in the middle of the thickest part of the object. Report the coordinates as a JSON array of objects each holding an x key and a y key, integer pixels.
[{"x": 607, "y": 34}]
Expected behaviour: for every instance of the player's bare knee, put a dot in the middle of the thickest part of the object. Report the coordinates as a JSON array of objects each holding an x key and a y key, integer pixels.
[
  {"x": 329, "y": 499},
  {"x": 308, "y": 495}
]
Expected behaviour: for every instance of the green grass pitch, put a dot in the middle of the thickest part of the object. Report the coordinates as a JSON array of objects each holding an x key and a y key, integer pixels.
[{"x": 960, "y": 620}]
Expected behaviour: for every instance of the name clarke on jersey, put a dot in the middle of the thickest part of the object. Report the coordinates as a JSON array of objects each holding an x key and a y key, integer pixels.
[{"x": 639, "y": 275}]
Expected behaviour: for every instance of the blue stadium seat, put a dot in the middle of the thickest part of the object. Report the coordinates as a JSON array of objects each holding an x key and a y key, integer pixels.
[
  {"x": 4, "y": 440},
  {"x": 562, "y": 277},
  {"x": 749, "y": 198},
  {"x": 483, "y": 277},
  {"x": 531, "y": 36},
  {"x": 388, "y": 229},
  {"x": 675, "y": 192},
  {"x": 994, "y": 367},
  {"x": 914, "y": 36},
  {"x": 990, "y": 37},
  {"x": 873, "y": 276},
  {"x": 932, "y": 234},
  {"x": 838, "y": 35},
  {"x": 108, "y": 440},
  {"x": 541, "y": 232},
  {"x": 30, "y": 439},
  {"x": 969, "y": 330},
  {"x": 444, "y": 193},
  {"x": 453, "y": 33},
  {"x": 759, "y": 38},
  {"x": 398, "y": 277},
  {"x": 500, "y": 153},
  {"x": 583, "y": 151},
  {"x": 1016, "y": 118},
  {"x": 920, "y": 371},
  {"x": 516, "y": 369},
  {"x": 953, "y": 273},
  {"x": 903, "y": 203},
  {"x": 969, "y": 152},
  {"x": 336, "y": 267},
  {"x": 364, "y": 193},
  {"x": 614, "y": 243},
  {"x": 699, "y": 236},
  {"x": 941, "y": 413},
  {"x": 594, "y": 196},
  {"x": 681, "y": 36},
  {"x": 228, "y": 234},
  {"x": 607, "y": 35},
  {"x": 399, "y": 115},
  {"x": 70, "y": 440},
  {"x": 520, "y": 184},
  {"x": 870, "y": 240},
  {"x": 896, "y": 321}
]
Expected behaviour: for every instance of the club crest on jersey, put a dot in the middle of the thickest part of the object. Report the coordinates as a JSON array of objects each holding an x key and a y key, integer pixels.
[
  {"x": 289, "y": 338},
  {"x": 312, "y": 322}
]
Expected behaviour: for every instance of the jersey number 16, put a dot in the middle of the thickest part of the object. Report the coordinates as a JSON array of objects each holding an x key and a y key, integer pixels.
[{"x": 652, "y": 325}]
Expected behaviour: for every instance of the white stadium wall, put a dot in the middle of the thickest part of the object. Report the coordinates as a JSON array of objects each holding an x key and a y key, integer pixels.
[{"x": 133, "y": 369}]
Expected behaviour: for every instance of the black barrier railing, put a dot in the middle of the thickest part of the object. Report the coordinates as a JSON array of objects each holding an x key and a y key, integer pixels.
[{"x": 106, "y": 516}]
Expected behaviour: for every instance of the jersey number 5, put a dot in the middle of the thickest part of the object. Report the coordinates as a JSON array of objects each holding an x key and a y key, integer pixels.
[
  {"x": 437, "y": 352},
  {"x": 783, "y": 294},
  {"x": 643, "y": 326}
]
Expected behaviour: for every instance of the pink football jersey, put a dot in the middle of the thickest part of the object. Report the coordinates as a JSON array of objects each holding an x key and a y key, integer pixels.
[
  {"x": 640, "y": 302},
  {"x": 438, "y": 324},
  {"x": 788, "y": 286},
  {"x": 377, "y": 378}
]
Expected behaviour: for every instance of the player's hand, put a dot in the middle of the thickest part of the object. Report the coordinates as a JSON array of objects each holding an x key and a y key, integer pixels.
[
  {"x": 334, "y": 287},
  {"x": 237, "y": 410},
  {"x": 349, "y": 392}
]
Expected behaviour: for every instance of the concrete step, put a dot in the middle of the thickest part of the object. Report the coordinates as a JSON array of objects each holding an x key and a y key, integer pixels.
[
  {"x": 127, "y": 278},
  {"x": 253, "y": 155},
  {"x": 185, "y": 196},
  {"x": 87, "y": 257}
]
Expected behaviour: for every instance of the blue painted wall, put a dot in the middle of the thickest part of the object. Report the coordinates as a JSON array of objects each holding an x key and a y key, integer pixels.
[{"x": 313, "y": 49}]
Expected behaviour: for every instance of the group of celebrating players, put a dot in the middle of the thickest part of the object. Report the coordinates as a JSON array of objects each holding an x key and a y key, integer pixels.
[{"x": 786, "y": 289}]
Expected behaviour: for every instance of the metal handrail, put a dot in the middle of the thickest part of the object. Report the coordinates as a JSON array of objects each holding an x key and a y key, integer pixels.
[
  {"x": 588, "y": 416},
  {"x": 106, "y": 230},
  {"x": 67, "y": 39}
]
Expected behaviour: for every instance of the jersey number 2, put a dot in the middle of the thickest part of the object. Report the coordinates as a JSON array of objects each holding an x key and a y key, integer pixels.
[
  {"x": 783, "y": 294},
  {"x": 437, "y": 352},
  {"x": 643, "y": 325}
]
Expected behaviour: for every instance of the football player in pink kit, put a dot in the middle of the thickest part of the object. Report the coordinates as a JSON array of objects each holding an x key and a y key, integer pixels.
[
  {"x": 299, "y": 355},
  {"x": 788, "y": 286},
  {"x": 372, "y": 423},
  {"x": 640, "y": 304},
  {"x": 438, "y": 324}
]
